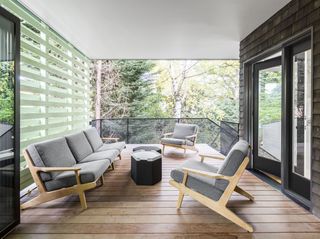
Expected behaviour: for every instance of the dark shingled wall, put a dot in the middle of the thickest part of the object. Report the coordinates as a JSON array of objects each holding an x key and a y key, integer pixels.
[{"x": 289, "y": 21}]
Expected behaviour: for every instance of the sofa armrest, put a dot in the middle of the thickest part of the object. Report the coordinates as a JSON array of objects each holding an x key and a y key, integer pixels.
[
  {"x": 110, "y": 138},
  {"x": 166, "y": 134},
  {"x": 56, "y": 169},
  {"x": 206, "y": 174}
]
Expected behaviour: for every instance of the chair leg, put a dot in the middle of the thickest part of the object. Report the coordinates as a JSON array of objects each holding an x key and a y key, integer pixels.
[
  {"x": 243, "y": 193},
  {"x": 180, "y": 199},
  {"x": 225, "y": 212},
  {"x": 163, "y": 149},
  {"x": 83, "y": 200}
]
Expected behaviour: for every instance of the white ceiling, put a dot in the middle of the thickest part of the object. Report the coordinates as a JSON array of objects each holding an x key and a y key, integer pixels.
[{"x": 155, "y": 29}]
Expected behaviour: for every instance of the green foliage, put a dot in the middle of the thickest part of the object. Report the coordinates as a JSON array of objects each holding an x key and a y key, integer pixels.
[
  {"x": 269, "y": 97},
  {"x": 6, "y": 92}
]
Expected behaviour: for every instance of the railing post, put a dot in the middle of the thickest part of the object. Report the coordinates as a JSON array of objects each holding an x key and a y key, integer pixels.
[{"x": 127, "y": 130}]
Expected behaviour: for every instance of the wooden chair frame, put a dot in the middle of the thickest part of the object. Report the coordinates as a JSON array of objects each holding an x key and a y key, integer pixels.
[
  {"x": 220, "y": 205},
  {"x": 184, "y": 147},
  {"x": 46, "y": 196}
]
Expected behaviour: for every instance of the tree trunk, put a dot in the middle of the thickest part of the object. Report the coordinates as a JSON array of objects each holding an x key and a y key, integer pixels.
[
  {"x": 177, "y": 108},
  {"x": 98, "y": 85}
]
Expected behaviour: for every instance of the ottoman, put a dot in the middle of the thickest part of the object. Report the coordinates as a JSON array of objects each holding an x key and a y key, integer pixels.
[{"x": 146, "y": 167}]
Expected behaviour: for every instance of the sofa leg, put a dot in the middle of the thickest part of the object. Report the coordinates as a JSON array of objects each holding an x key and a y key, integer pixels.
[
  {"x": 102, "y": 180},
  {"x": 120, "y": 156},
  {"x": 180, "y": 199},
  {"x": 83, "y": 200},
  {"x": 163, "y": 149},
  {"x": 112, "y": 166}
]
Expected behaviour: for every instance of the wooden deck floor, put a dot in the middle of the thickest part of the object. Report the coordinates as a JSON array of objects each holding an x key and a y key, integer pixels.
[{"x": 120, "y": 209}]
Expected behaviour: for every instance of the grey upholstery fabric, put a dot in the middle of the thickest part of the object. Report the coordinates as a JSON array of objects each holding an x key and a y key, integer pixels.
[
  {"x": 79, "y": 145},
  {"x": 183, "y": 130},
  {"x": 198, "y": 183},
  {"x": 118, "y": 146},
  {"x": 176, "y": 141},
  {"x": 55, "y": 153},
  {"x": 210, "y": 187},
  {"x": 109, "y": 155},
  {"x": 93, "y": 138},
  {"x": 37, "y": 161},
  {"x": 89, "y": 173}
]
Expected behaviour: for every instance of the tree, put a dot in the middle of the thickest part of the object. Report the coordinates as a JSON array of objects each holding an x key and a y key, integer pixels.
[{"x": 7, "y": 92}]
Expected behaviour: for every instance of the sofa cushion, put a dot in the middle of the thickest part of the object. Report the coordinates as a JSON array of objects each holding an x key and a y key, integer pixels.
[
  {"x": 110, "y": 155},
  {"x": 118, "y": 146},
  {"x": 176, "y": 141},
  {"x": 183, "y": 130},
  {"x": 93, "y": 138},
  {"x": 89, "y": 172},
  {"x": 79, "y": 145},
  {"x": 37, "y": 161},
  {"x": 55, "y": 153},
  {"x": 200, "y": 184}
]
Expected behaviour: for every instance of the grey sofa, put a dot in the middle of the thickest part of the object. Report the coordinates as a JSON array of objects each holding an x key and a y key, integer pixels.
[{"x": 70, "y": 164}]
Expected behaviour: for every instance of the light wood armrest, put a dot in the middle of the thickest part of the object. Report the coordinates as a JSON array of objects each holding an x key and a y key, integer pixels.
[
  {"x": 110, "y": 138},
  {"x": 191, "y": 136},
  {"x": 206, "y": 174},
  {"x": 56, "y": 169},
  {"x": 167, "y": 134},
  {"x": 212, "y": 156}
]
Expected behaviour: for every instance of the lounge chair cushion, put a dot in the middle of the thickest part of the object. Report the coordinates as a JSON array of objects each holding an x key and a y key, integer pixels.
[
  {"x": 79, "y": 145},
  {"x": 55, "y": 153},
  {"x": 200, "y": 184},
  {"x": 93, "y": 138},
  {"x": 89, "y": 172},
  {"x": 36, "y": 159},
  {"x": 109, "y": 155},
  {"x": 183, "y": 130},
  {"x": 118, "y": 146},
  {"x": 174, "y": 141}
]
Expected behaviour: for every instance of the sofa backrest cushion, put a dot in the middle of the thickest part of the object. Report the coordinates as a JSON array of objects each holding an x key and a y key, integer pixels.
[
  {"x": 234, "y": 158},
  {"x": 37, "y": 161},
  {"x": 55, "y": 153},
  {"x": 79, "y": 145},
  {"x": 93, "y": 138},
  {"x": 183, "y": 130}
]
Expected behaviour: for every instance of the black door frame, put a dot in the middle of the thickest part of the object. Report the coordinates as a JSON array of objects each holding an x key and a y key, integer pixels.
[
  {"x": 248, "y": 110},
  {"x": 16, "y": 22},
  {"x": 293, "y": 185},
  {"x": 261, "y": 163}
]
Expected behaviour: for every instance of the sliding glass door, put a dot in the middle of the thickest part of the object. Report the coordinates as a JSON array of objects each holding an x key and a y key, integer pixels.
[
  {"x": 300, "y": 120},
  {"x": 267, "y": 116},
  {"x": 9, "y": 121}
]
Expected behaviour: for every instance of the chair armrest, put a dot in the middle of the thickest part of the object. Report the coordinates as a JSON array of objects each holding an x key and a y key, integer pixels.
[
  {"x": 167, "y": 134},
  {"x": 56, "y": 169},
  {"x": 110, "y": 138},
  {"x": 212, "y": 156},
  {"x": 191, "y": 136},
  {"x": 206, "y": 174}
]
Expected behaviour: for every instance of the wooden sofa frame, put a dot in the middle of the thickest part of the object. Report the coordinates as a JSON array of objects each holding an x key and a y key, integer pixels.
[
  {"x": 220, "y": 205},
  {"x": 184, "y": 147},
  {"x": 46, "y": 196}
]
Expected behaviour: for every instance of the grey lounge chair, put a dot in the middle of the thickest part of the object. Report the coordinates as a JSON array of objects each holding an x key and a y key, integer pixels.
[
  {"x": 184, "y": 136},
  {"x": 213, "y": 186}
]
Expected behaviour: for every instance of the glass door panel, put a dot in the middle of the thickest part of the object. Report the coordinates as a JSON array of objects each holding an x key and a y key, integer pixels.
[
  {"x": 301, "y": 119},
  {"x": 267, "y": 115},
  {"x": 9, "y": 157}
]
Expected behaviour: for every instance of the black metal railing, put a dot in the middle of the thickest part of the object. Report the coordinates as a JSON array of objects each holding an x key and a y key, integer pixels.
[{"x": 221, "y": 136}]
